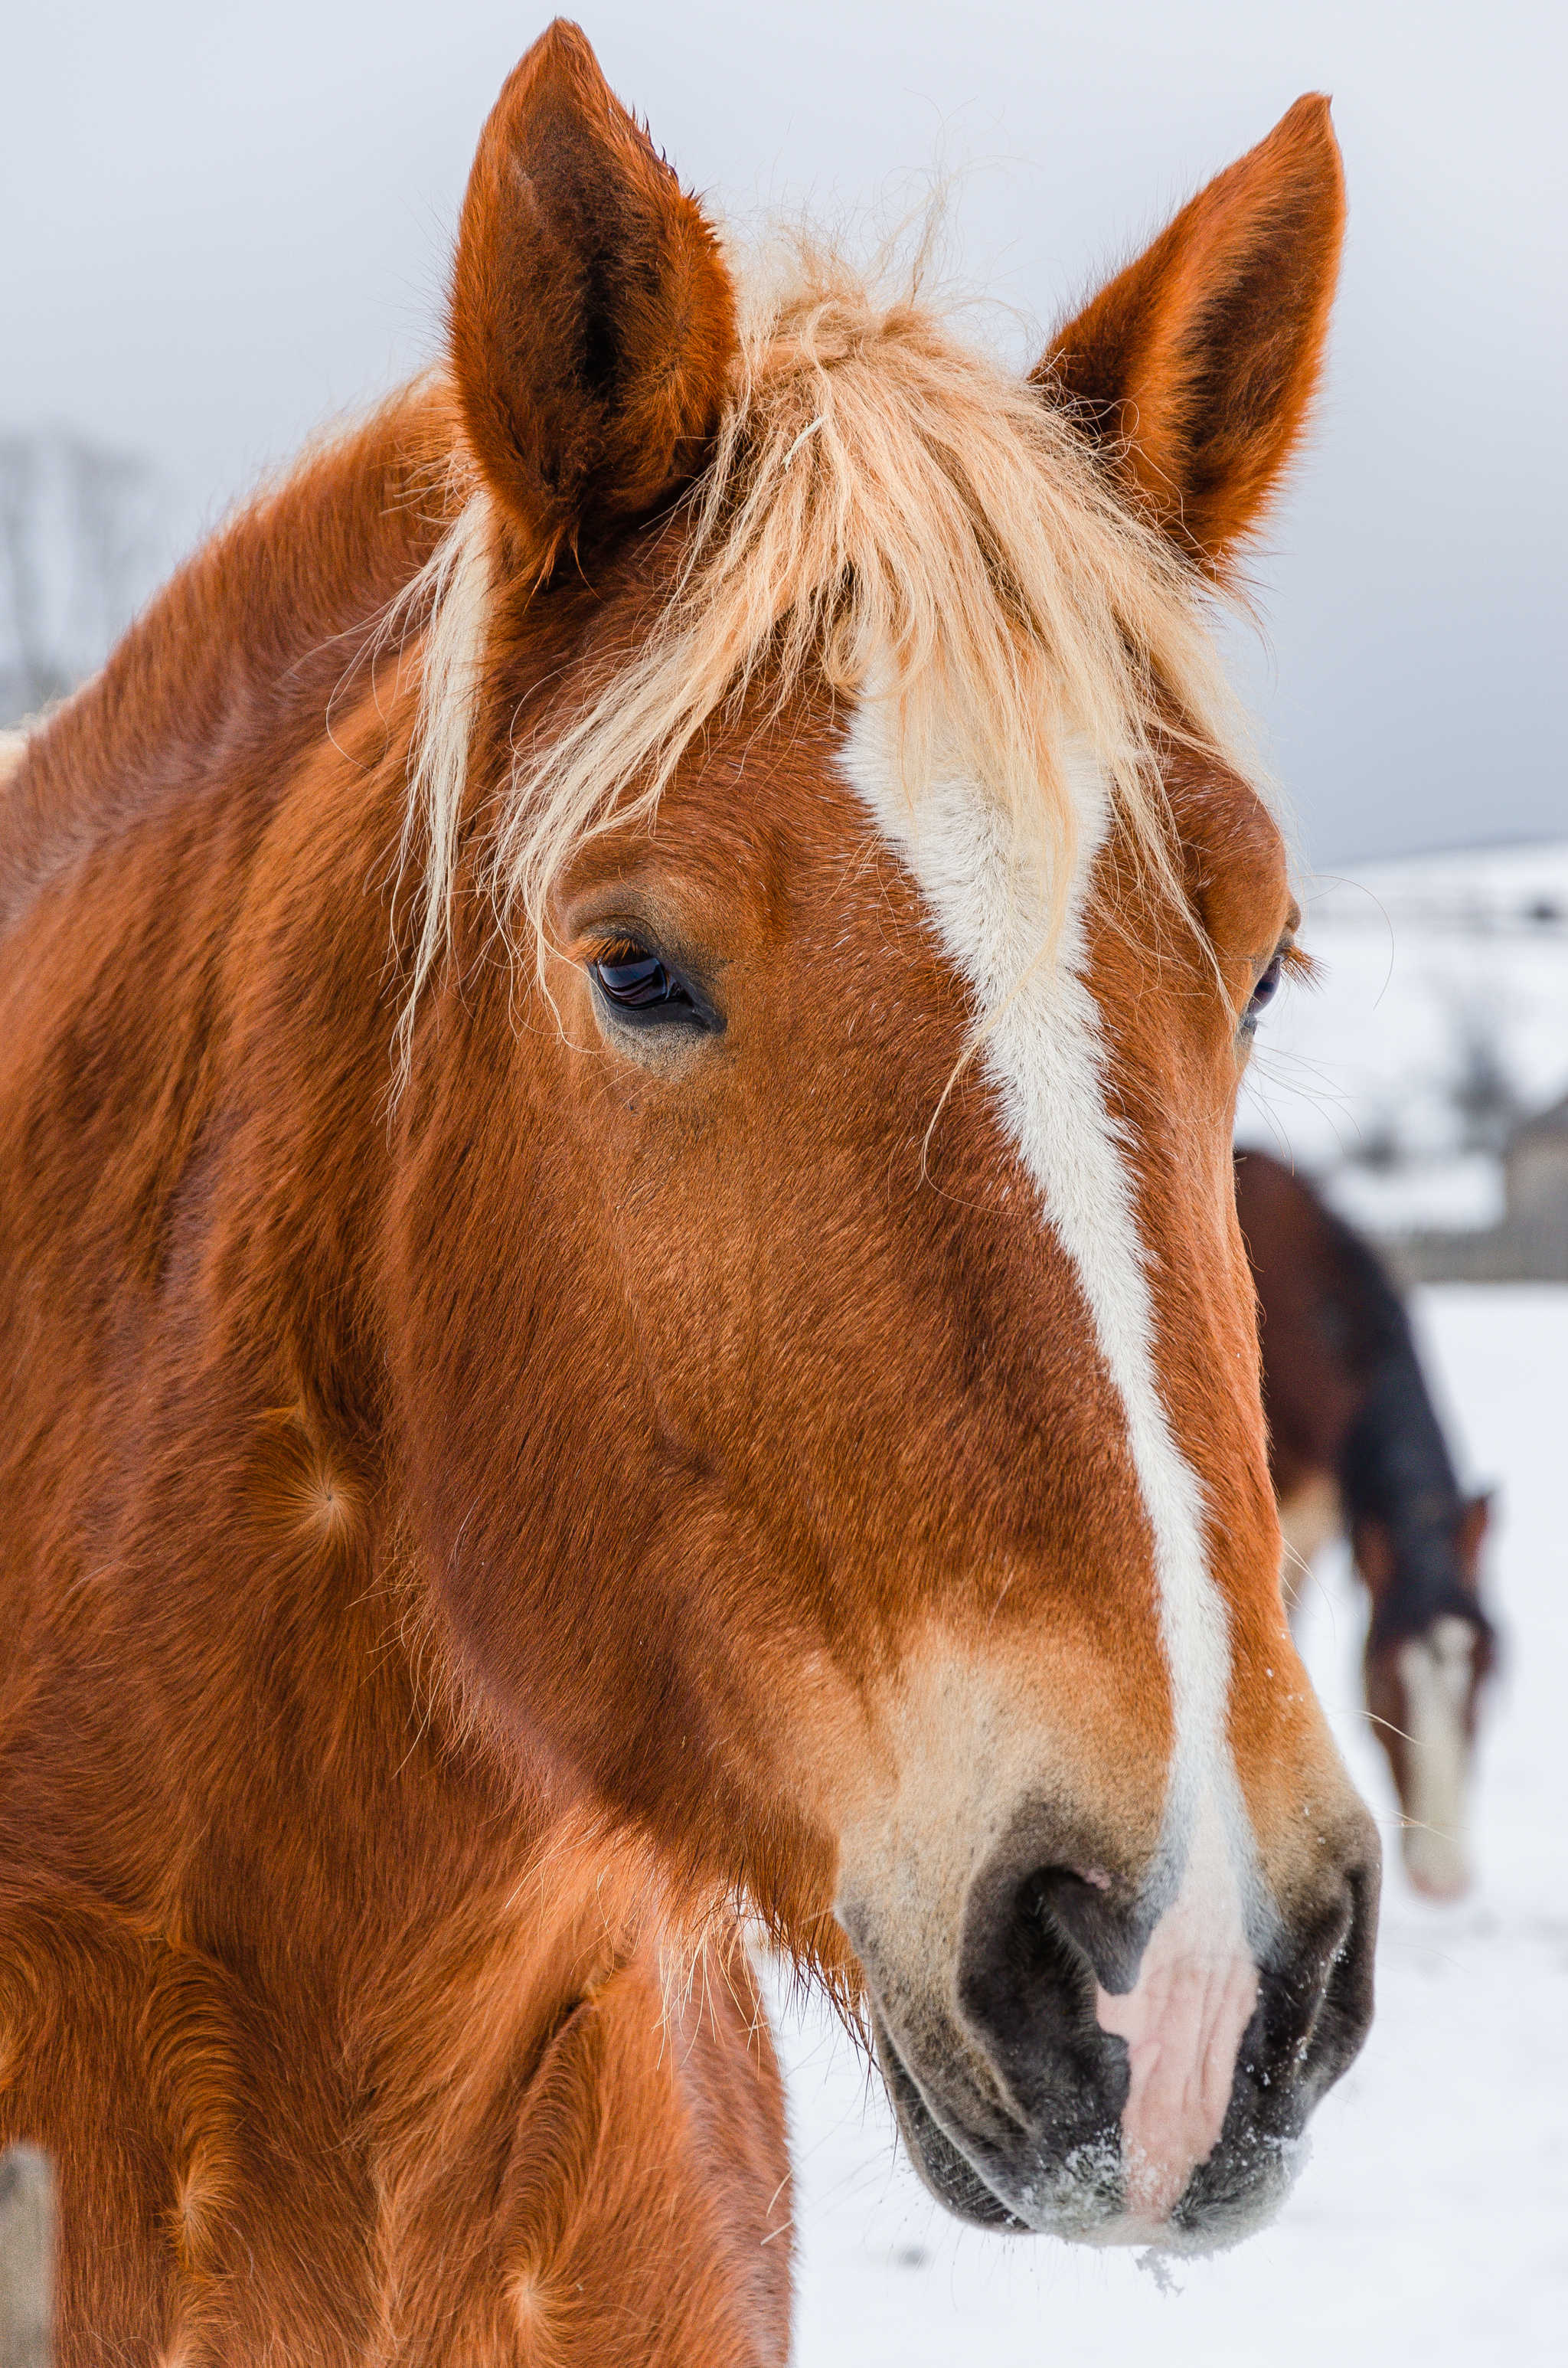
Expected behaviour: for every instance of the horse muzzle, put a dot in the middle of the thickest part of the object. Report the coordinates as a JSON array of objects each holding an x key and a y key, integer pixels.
[{"x": 1116, "y": 2066}]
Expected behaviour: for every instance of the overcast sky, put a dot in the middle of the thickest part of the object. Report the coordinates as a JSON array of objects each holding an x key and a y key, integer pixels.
[{"x": 223, "y": 223}]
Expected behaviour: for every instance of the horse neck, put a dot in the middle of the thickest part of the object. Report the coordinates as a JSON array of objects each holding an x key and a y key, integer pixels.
[
  {"x": 1393, "y": 1461},
  {"x": 306, "y": 1800},
  {"x": 1393, "y": 1465},
  {"x": 240, "y": 1650},
  {"x": 240, "y": 656},
  {"x": 1395, "y": 1470}
]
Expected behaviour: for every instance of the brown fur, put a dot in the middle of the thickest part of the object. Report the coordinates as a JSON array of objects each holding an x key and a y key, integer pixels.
[
  {"x": 460, "y": 1552},
  {"x": 592, "y": 323}
]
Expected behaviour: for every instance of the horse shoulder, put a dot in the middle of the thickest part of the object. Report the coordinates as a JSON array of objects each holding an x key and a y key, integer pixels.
[
  {"x": 649, "y": 2190},
  {"x": 622, "y": 2199}
]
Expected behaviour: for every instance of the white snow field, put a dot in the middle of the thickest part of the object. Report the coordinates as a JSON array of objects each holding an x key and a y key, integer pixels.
[
  {"x": 1431, "y": 965},
  {"x": 1430, "y": 2225}
]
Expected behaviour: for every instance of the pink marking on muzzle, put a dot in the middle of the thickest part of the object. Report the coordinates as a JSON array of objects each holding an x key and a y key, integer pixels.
[{"x": 1183, "y": 2024}]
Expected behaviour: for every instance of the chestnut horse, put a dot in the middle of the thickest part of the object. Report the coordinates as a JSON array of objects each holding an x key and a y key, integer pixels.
[
  {"x": 1354, "y": 1443},
  {"x": 624, "y": 1318}
]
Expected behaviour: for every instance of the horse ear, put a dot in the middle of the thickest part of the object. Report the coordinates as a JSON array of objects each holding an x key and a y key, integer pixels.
[
  {"x": 1476, "y": 1516},
  {"x": 591, "y": 316},
  {"x": 1193, "y": 369}
]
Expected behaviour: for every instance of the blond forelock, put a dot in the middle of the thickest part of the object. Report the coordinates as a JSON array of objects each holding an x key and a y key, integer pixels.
[{"x": 886, "y": 500}]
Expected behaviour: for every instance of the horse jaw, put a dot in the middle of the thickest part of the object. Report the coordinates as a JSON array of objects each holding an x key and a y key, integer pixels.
[{"x": 1437, "y": 1672}]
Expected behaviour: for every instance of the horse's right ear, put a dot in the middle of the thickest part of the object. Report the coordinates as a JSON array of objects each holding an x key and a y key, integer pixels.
[
  {"x": 1195, "y": 369},
  {"x": 591, "y": 316}
]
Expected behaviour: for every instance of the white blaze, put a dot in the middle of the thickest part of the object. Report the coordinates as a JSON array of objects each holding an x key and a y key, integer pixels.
[{"x": 1043, "y": 1050}]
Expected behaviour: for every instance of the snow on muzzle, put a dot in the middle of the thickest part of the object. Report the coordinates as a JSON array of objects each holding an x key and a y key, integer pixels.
[{"x": 1113, "y": 2059}]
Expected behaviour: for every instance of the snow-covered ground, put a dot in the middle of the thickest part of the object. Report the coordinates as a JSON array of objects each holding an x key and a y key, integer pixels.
[
  {"x": 1431, "y": 2224},
  {"x": 1443, "y": 977}
]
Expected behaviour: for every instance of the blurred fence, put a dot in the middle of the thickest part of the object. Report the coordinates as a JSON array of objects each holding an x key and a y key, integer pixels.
[{"x": 1520, "y": 1250}]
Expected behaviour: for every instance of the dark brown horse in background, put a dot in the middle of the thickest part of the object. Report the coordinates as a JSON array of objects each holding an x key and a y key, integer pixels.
[
  {"x": 1355, "y": 1444},
  {"x": 622, "y": 1321}
]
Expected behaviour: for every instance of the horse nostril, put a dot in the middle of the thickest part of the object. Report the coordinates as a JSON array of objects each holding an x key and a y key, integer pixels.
[
  {"x": 1033, "y": 1951},
  {"x": 1317, "y": 2004},
  {"x": 1013, "y": 1950},
  {"x": 1130, "y": 2053},
  {"x": 1345, "y": 2009},
  {"x": 1087, "y": 1907}
]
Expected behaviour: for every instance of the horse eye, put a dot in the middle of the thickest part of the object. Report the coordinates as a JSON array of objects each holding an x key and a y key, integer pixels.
[
  {"x": 642, "y": 987},
  {"x": 1264, "y": 993}
]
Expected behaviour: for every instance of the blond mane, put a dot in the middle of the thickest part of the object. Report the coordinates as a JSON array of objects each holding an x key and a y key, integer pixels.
[{"x": 885, "y": 500}]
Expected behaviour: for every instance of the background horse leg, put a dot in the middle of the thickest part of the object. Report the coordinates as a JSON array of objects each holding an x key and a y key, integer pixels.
[{"x": 1309, "y": 1518}]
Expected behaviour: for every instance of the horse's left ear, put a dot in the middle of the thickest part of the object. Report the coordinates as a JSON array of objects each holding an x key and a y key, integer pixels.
[
  {"x": 1193, "y": 369},
  {"x": 1476, "y": 1516},
  {"x": 591, "y": 316}
]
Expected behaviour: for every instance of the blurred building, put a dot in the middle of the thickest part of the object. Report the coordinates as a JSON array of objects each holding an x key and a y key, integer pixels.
[
  {"x": 1529, "y": 1244},
  {"x": 1534, "y": 1164}
]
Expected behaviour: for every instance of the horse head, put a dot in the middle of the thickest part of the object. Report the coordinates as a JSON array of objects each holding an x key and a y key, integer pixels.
[{"x": 823, "y": 1353}]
